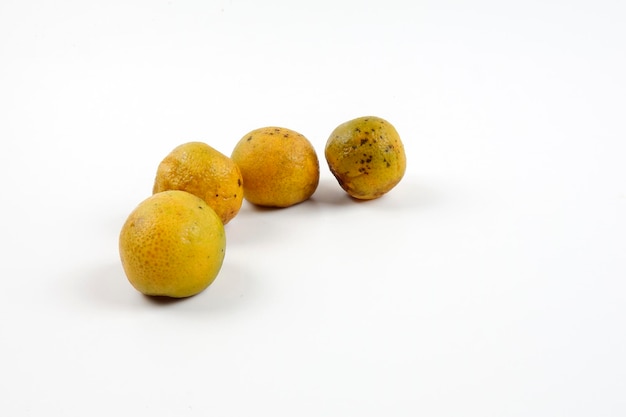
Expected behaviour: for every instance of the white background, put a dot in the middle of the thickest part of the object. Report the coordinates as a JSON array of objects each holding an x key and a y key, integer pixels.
[{"x": 489, "y": 282}]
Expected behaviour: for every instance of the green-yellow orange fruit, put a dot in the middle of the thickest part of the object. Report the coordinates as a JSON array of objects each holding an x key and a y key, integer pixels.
[{"x": 366, "y": 156}]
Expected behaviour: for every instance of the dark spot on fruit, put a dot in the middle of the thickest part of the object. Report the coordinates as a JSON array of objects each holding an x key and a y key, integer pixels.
[
  {"x": 200, "y": 207},
  {"x": 364, "y": 141},
  {"x": 249, "y": 138},
  {"x": 357, "y": 130},
  {"x": 239, "y": 182},
  {"x": 286, "y": 135}
]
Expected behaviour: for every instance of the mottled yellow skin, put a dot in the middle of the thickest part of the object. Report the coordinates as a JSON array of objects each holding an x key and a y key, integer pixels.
[
  {"x": 366, "y": 156},
  {"x": 172, "y": 245},
  {"x": 198, "y": 168},
  {"x": 279, "y": 167}
]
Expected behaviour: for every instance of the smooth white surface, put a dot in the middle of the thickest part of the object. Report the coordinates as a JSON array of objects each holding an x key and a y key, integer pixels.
[{"x": 490, "y": 282}]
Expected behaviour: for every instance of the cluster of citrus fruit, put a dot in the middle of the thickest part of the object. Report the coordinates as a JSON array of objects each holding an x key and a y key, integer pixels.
[{"x": 173, "y": 243}]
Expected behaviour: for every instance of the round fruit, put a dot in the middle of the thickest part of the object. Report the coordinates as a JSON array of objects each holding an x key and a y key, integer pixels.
[
  {"x": 172, "y": 245},
  {"x": 366, "y": 156},
  {"x": 197, "y": 168},
  {"x": 279, "y": 167}
]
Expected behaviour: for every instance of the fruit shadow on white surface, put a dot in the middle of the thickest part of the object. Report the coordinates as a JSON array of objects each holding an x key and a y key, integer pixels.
[
  {"x": 259, "y": 231},
  {"x": 409, "y": 194},
  {"x": 105, "y": 286}
]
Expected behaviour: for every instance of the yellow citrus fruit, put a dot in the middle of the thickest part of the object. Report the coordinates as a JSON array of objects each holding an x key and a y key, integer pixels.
[
  {"x": 279, "y": 167},
  {"x": 172, "y": 244},
  {"x": 366, "y": 156},
  {"x": 198, "y": 168}
]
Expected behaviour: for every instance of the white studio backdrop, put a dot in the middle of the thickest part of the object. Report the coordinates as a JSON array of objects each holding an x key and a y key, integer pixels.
[{"x": 489, "y": 282}]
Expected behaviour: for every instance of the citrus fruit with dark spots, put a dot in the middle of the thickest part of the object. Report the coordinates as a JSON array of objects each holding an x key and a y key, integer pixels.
[
  {"x": 366, "y": 156},
  {"x": 279, "y": 167},
  {"x": 198, "y": 168},
  {"x": 172, "y": 244}
]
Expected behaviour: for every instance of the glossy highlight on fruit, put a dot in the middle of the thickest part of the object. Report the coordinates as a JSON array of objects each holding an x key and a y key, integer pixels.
[{"x": 366, "y": 156}]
